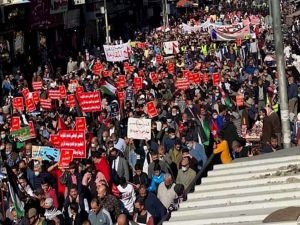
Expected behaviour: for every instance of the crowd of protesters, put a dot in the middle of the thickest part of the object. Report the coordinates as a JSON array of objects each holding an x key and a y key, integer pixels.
[{"x": 131, "y": 181}]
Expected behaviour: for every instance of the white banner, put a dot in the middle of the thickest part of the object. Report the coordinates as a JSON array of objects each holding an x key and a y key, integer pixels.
[
  {"x": 79, "y": 2},
  {"x": 171, "y": 47},
  {"x": 117, "y": 53},
  {"x": 139, "y": 128},
  {"x": 189, "y": 29}
]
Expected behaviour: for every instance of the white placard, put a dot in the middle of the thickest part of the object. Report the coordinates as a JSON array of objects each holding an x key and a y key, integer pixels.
[
  {"x": 79, "y": 2},
  {"x": 117, "y": 53},
  {"x": 139, "y": 128},
  {"x": 171, "y": 47}
]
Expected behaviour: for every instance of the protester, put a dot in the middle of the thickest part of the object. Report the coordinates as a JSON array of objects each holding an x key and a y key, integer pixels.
[{"x": 78, "y": 147}]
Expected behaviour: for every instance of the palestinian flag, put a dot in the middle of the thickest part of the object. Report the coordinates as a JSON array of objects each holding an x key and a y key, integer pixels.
[
  {"x": 108, "y": 89},
  {"x": 90, "y": 67},
  {"x": 18, "y": 205}
]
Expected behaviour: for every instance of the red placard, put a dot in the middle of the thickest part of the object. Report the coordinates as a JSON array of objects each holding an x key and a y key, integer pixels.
[
  {"x": 190, "y": 77},
  {"x": 137, "y": 83},
  {"x": 216, "y": 79},
  {"x": 54, "y": 94},
  {"x": 79, "y": 90},
  {"x": 121, "y": 83},
  {"x": 71, "y": 101},
  {"x": 97, "y": 68},
  {"x": 66, "y": 156},
  {"x": 55, "y": 140},
  {"x": 62, "y": 91},
  {"x": 121, "y": 95},
  {"x": 153, "y": 77},
  {"x": 197, "y": 78},
  {"x": 107, "y": 73},
  {"x": 80, "y": 124},
  {"x": 31, "y": 129},
  {"x": 90, "y": 101},
  {"x": 36, "y": 97},
  {"x": 205, "y": 78},
  {"x": 141, "y": 73},
  {"x": 30, "y": 106},
  {"x": 239, "y": 100},
  {"x": 238, "y": 42},
  {"x": 38, "y": 85},
  {"x": 182, "y": 84},
  {"x": 186, "y": 73},
  {"x": 18, "y": 103},
  {"x": 159, "y": 59},
  {"x": 171, "y": 68},
  {"x": 15, "y": 123},
  {"x": 46, "y": 103},
  {"x": 151, "y": 109},
  {"x": 75, "y": 140},
  {"x": 25, "y": 92}
]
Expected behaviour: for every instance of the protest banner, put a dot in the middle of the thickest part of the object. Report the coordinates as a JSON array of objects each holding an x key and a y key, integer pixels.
[
  {"x": 15, "y": 123},
  {"x": 74, "y": 140},
  {"x": 80, "y": 124},
  {"x": 89, "y": 101},
  {"x": 71, "y": 101},
  {"x": 46, "y": 153},
  {"x": 66, "y": 156},
  {"x": 153, "y": 77},
  {"x": 114, "y": 109},
  {"x": 23, "y": 134},
  {"x": 37, "y": 85},
  {"x": 121, "y": 96},
  {"x": 31, "y": 129},
  {"x": 171, "y": 47},
  {"x": 55, "y": 140},
  {"x": 36, "y": 97},
  {"x": 54, "y": 94},
  {"x": 79, "y": 90},
  {"x": 129, "y": 94},
  {"x": 18, "y": 103},
  {"x": 97, "y": 68},
  {"x": 239, "y": 100},
  {"x": 182, "y": 84},
  {"x": 46, "y": 104},
  {"x": 30, "y": 106},
  {"x": 121, "y": 82},
  {"x": 139, "y": 128},
  {"x": 25, "y": 92},
  {"x": 205, "y": 78},
  {"x": 151, "y": 109},
  {"x": 171, "y": 68},
  {"x": 137, "y": 83},
  {"x": 159, "y": 59},
  {"x": 62, "y": 91},
  {"x": 216, "y": 79},
  {"x": 117, "y": 53}
]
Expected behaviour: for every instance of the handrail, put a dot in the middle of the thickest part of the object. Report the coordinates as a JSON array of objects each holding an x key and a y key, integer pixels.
[{"x": 191, "y": 185}]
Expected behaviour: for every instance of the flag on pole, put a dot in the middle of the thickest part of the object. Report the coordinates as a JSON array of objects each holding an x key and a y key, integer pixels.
[
  {"x": 108, "y": 89},
  {"x": 13, "y": 191}
]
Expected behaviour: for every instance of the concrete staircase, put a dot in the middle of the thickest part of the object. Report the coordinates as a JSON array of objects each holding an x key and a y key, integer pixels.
[{"x": 244, "y": 192}]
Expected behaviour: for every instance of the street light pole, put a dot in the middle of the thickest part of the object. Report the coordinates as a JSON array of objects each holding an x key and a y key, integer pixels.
[
  {"x": 106, "y": 23},
  {"x": 284, "y": 111}
]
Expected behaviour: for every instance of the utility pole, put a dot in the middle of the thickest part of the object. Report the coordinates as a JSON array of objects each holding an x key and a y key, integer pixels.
[
  {"x": 284, "y": 110},
  {"x": 106, "y": 23},
  {"x": 165, "y": 13}
]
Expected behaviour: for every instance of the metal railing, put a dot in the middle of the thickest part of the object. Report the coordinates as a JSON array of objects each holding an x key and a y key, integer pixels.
[{"x": 199, "y": 175}]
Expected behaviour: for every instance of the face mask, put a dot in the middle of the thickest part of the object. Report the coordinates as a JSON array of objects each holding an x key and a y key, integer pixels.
[
  {"x": 261, "y": 117},
  {"x": 172, "y": 136},
  {"x": 215, "y": 116},
  {"x": 174, "y": 114},
  {"x": 189, "y": 145},
  {"x": 184, "y": 168},
  {"x": 104, "y": 138},
  {"x": 36, "y": 173},
  {"x": 28, "y": 154},
  {"x": 190, "y": 106},
  {"x": 7, "y": 153},
  {"x": 275, "y": 91},
  {"x": 217, "y": 94},
  {"x": 93, "y": 145},
  {"x": 145, "y": 148},
  {"x": 3, "y": 136}
]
